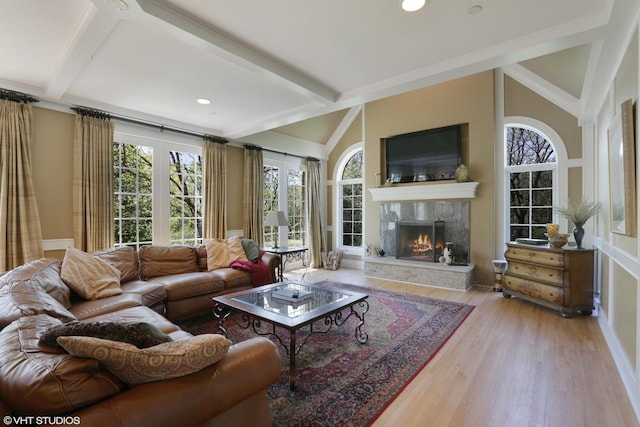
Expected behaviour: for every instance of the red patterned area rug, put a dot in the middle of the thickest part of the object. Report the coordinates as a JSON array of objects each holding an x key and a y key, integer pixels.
[{"x": 342, "y": 382}]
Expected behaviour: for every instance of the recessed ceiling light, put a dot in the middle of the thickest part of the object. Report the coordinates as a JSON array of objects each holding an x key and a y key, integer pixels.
[
  {"x": 412, "y": 5},
  {"x": 474, "y": 10},
  {"x": 203, "y": 101}
]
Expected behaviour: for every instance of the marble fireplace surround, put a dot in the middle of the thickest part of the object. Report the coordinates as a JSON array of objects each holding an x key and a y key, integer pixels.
[{"x": 455, "y": 214}]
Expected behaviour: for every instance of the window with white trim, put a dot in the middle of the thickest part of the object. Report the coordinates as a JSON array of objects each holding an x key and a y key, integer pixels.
[
  {"x": 350, "y": 202},
  {"x": 157, "y": 192},
  {"x": 531, "y": 170},
  {"x": 284, "y": 190}
]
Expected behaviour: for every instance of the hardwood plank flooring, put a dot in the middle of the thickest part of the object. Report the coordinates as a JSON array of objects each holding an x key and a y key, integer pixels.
[{"x": 511, "y": 363}]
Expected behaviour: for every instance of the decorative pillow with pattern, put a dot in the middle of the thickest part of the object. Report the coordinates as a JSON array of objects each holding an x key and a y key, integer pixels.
[
  {"x": 164, "y": 361},
  {"x": 142, "y": 334},
  {"x": 89, "y": 276},
  {"x": 222, "y": 252}
]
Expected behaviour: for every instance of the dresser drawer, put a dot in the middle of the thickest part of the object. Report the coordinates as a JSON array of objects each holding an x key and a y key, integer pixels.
[
  {"x": 552, "y": 276},
  {"x": 549, "y": 293},
  {"x": 536, "y": 255}
]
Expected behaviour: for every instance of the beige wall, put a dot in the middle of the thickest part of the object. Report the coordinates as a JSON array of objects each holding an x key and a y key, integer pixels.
[
  {"x": 465, "y": 100},
  {"x": 52, "y": 159},
  {"x": 235, "y": 179}
]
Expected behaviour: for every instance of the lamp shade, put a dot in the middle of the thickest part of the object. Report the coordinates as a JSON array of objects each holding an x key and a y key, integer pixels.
[{"x": 275, "y": 219}]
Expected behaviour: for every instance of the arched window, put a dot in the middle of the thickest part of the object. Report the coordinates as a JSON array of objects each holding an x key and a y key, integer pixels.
[
  {"x": 349, "y": 215},
  {"x": 531, "y": 178}
]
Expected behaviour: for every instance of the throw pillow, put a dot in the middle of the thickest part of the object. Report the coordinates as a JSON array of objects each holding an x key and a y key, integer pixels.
[
  {"x": 164, "y": 361},
  {"x": 222, "y": 252},
  {"x": 142, "y": 334},
  {"x": 251, "y": 250},
  {"x": 89, "y": 276}
]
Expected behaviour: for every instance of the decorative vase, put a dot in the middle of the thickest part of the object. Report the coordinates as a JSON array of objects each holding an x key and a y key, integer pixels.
[{"x": 578, "y": 234}]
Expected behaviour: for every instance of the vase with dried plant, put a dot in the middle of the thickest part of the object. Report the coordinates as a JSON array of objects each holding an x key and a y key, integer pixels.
[{"x": 578, "y": 212}]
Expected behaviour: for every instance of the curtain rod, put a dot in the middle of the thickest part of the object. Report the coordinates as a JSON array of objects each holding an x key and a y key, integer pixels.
[
  {"x": 257, "y": 147},
  {"x": 97, "y": 113},
  {"x": 12, "y": 95}
]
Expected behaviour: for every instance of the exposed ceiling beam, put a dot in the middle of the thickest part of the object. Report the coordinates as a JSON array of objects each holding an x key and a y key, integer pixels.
[
  {"x": 339, "y": 132},
  {"x": 544, "y": 88},
  {"x": 84, "y": 43},
  {"x": 241, "y": 54}
]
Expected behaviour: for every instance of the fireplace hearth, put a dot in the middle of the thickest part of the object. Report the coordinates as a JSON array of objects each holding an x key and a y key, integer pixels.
[{"x": 420, "y": 240}]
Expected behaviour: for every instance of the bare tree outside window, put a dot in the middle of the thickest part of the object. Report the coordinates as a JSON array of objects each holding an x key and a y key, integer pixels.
[{"x": 530, "y": 182}]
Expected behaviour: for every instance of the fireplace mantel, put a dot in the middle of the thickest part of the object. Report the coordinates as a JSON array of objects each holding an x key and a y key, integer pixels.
[{"x": 451, "y": 190}]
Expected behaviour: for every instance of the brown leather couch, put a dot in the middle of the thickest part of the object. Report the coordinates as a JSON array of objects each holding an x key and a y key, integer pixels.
[{"x": 39, "y": 381}]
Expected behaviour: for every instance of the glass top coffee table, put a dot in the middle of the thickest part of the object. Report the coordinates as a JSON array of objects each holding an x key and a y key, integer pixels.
[{"x": 293, "y": 306}]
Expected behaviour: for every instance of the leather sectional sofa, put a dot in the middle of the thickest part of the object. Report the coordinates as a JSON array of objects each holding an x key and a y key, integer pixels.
[{"x": 159, "y": 284}]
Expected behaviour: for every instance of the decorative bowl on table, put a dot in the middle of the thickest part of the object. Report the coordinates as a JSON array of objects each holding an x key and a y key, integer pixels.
[{"x": 557, "y": 240}]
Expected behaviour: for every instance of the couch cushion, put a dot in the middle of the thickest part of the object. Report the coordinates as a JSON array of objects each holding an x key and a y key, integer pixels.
[
  {"x": 150, "y": 293},
  {"x": 141, "y": 334},
  {"x": 124, "y": 258},
  {"x": 85, "y": 309},
  {"x": 186, "y": 285},
  {"x": 26, "y": 297},
  {"x": 89, "y": 276},
  {"x": 222, "y": 252},
  {"x": 137, "y": 366},
  {"x": 158, "y": 260},
  {"x": 45, "y": 273},
  {"x": 39, "y": 380}
]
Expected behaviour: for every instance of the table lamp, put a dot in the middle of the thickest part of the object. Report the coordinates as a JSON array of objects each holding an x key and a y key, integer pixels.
[{"x": 276, "y": 219}]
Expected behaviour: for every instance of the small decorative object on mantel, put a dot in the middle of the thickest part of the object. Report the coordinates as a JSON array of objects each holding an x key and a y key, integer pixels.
[
  {"x": 462, "y": 173},
  {"x": 578, "y": 213}
]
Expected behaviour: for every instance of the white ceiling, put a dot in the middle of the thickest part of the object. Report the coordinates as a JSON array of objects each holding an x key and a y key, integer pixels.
[{"x": 270, "y": 64}]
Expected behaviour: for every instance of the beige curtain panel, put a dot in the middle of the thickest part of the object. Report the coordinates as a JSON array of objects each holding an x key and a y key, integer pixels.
[
  {"x": 92, "y": 183},
  {"x": 20, "y": 231},
  {"x": 252, "y": 194},
  {"x": 315, "y": 233},
  {"x": 214, "y": 170}
]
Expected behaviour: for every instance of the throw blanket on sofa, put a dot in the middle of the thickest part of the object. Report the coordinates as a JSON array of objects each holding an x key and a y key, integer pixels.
[{"x": 260, "y": 274}]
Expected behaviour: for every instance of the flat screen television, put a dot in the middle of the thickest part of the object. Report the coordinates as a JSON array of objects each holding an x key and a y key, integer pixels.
[{"x": 428, "y": 155}]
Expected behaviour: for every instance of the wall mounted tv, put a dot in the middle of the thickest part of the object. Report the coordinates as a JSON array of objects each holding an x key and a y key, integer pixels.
[{"x": 428, "y": 155}]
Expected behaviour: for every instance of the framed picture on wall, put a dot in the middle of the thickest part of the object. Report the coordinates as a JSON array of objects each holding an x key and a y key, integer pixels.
[{"x": 622, "y": 171}]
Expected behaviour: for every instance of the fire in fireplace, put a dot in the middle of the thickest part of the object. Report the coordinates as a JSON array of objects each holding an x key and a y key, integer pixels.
[{"x": 420, "y": 240}]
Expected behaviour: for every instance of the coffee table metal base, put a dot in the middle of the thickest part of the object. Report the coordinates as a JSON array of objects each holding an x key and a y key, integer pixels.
[{"x": 322, "y": 325}]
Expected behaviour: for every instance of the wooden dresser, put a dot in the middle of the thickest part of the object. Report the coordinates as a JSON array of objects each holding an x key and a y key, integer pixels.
[{"x": 560, "y": 279}]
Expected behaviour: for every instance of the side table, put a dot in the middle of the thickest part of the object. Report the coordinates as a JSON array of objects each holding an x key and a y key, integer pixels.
[{"x": 288, "y": 254}]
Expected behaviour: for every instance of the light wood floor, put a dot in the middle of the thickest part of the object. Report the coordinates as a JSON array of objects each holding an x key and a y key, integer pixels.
[{"x": 511, "y": 363}]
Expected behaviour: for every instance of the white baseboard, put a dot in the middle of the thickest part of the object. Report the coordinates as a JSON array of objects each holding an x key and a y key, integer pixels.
[{"x": 625, "y": 368}]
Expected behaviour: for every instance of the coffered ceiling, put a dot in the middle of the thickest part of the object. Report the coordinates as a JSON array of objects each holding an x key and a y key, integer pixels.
[{"x": 291, "y": 65}]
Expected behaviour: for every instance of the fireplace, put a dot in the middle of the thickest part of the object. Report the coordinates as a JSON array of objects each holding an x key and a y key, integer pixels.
[{"x": 420, "y": 240}]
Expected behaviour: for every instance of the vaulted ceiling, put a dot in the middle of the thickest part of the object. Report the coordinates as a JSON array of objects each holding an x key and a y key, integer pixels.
[{"x": 297, "y": 66}]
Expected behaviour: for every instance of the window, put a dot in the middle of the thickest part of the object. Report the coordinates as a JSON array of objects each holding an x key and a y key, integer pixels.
[
  {"x": 284, "y": 190},
  {"x": 296, "y": 207},
  {"x": 157, "y": 191},
  {"x": 350, "y": 201},
  {"x": 133, "y": 195},
  {"x": 531, "y": 166},
  {"x": 270, "y": 199},
  {"x": 185, "y": 188}
]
